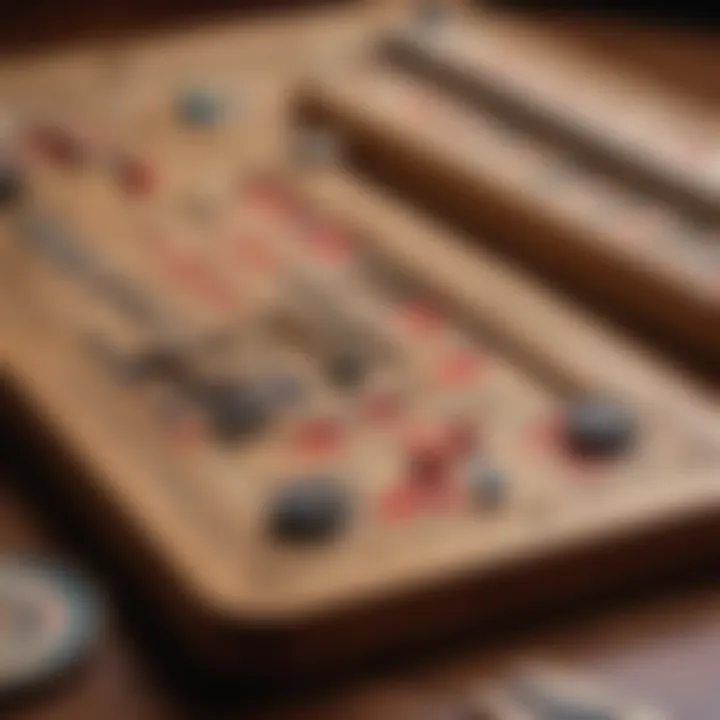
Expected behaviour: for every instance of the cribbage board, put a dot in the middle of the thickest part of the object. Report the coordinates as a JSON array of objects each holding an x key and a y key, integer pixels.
[
  {"x": 500, "y": 130},
  {"x": 312, "y": 420},
  {"x": 658, "y": 137}
]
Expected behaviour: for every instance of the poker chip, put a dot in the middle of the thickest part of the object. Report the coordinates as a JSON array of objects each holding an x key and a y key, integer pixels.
[{"x": 49, "y": 619}]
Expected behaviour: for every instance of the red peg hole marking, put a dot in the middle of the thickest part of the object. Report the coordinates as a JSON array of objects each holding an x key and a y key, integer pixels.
[
  {"x": 186, "y": 270},
  {"x": 319, "y": 437},
  {"x": 187, "y": 433},
  {"x": 425, "y": 438},
  {"x": 268, "y": 197},
  {"x": 58, "y": 145},
  {"x": 382, "y": 408},
  {"x": 136, "y": 177},
  {"x": 216, "y": 294},
  {"x": 545, "y": 435},
  {"x": 429, "y": 455},
  {"x": 331, "y": 244},
  {"x": 220, "y": 297},
  {"x": 196, "y": 278},
  {"x": 422, "y": 319},
  {"x": 253, "y": 253},
  {"x": 459, "y": 368},
  {"x": 439, "y": 496},
  {"x": 463, "y": 437},
  {"x": 409, "y": 498},
  {"x": 398, "y": 504}
]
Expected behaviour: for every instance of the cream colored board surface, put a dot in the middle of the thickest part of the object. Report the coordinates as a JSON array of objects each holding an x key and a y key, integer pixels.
[
  {"x": 314, "y": 581},
  {"x": 201, "y": 505}
]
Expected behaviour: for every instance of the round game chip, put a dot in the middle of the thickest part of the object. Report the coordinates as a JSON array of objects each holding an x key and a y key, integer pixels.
[
  {"x": 200, "y": 107},
  {"x": 600, "y": 428},
  {"x": 347, "y": 369},
  {"x": 309, "y": 509},
  {"x": 487, "y": 485},
  {"x": 236, "y": 410},
  {"x": 49, "y": 618},
  {"x": 11, "y": 184}
]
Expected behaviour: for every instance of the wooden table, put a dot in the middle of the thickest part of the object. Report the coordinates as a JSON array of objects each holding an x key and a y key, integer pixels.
[{"x": 664, "y": 645}]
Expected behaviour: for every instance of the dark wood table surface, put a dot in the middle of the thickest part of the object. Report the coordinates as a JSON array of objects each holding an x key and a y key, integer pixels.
[{"x": 663, "y": 643}]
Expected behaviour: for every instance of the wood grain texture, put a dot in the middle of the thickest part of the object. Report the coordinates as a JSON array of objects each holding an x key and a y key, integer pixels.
[
  {"x": 452, "y": 163},
  {"x": 665, "y": 648},
  {"x": 356, "y": 607},
  {"x": 663, "y": 645}
]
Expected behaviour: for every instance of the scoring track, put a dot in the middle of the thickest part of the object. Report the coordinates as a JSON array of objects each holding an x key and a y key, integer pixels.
[
  {"x": 298, "y": 407},
  {"x": 492, "y": 167},
  {"x": 634, "y": 126}
]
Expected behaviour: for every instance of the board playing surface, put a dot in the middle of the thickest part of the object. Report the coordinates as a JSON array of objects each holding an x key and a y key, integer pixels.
[{"x": 293, "y": 398}]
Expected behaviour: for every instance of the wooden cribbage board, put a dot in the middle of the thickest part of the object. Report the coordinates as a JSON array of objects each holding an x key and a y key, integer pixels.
[
  {"x": 234, "y": 265},
  {"x": 496, "y": 128},
  {"x": 637, "y": 126}
]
